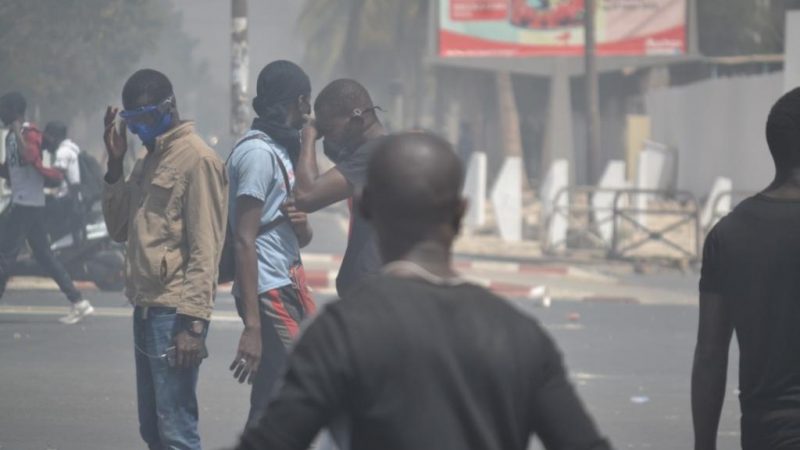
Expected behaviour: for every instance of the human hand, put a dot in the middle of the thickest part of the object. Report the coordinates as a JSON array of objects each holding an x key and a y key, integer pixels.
[
  {"x": 299, "y": 220},
  {"x": 310, "y": 133},
  {"x": 248, "y": 355},
  {"x": 116, "y": 140},
  {"x": 189, "y": 350}
]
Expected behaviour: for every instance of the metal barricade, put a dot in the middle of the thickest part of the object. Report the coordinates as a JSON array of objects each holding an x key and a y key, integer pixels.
[
  {"x": 637, "y": 218},
  {"x": 582, "y": 223}
]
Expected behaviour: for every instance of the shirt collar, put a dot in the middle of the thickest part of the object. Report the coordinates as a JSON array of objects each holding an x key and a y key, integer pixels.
[{"x": 164, "y": 141}]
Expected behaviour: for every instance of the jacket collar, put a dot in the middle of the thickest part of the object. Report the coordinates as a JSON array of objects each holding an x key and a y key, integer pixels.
[{"x": 164, "y": 141}]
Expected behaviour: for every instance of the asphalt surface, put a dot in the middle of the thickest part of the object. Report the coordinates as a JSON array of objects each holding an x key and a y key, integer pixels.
[{"x": 72, "y": 387}]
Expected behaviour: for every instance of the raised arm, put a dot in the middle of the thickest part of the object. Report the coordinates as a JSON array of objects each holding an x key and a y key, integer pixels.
[
  {"x": 314, "y": 191},
  {"x": 32, "y": 139},
  {"x": 116, "y": 194},
  {"x": 709, "y": 374}
]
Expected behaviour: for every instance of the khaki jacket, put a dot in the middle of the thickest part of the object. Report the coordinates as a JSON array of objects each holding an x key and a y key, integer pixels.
[{"x": 172, "y": 212}]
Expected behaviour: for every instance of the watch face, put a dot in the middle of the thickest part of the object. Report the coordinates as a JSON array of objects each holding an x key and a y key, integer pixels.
[{"x": 198, "y": 327}]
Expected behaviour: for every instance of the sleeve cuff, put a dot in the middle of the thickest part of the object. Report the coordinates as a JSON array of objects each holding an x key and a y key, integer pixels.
[{"x": 194, "y": 311}]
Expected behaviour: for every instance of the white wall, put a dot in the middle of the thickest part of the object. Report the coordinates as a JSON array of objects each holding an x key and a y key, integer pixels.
[{"x": 718, "y": 127}]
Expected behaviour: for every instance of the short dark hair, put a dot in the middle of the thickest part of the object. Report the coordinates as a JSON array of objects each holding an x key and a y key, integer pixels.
[
  {"x": 57, "y": 130},
  {"x": 342, "y": 96},
  {"x": 14, "y": 102},
  {"x": 783, "y": 131},
  {"x": 152, "y": 84},
  {"x": 417, "y": 177}
]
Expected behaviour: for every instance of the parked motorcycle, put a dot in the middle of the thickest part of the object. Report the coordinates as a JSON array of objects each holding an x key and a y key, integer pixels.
[{"x": 81, "y": 242}]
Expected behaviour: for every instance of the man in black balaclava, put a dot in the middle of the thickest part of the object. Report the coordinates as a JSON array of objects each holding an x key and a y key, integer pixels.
[
  {"x": 283, "y": 95},
  {"x": 749, "y": 284},
  {"x": 268, "y": 231}
]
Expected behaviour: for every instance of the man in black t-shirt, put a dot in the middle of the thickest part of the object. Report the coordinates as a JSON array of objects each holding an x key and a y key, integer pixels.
[
  {"x": 346, "y": 119},
  {"x": 417, "y": 358},
  {"x": 750, "y": 284}
]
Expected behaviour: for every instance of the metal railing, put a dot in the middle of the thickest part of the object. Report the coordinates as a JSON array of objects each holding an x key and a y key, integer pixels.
[
  {"x": 636, "y": 217},
  {"x": 580, "y": 218},
  {"x": 630, "y": 222}
]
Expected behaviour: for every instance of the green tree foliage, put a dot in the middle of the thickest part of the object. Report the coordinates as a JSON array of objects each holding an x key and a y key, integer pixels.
[
  {"x": 382, "y": 38},
  {"x": 741, "y": 27},
  {"x": 68, "y": 55}
]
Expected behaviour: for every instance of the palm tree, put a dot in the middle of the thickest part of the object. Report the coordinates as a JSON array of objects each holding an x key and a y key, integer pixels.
[
  {"x": 384, "y": 41},
  {"x": 380, "y": 42}
]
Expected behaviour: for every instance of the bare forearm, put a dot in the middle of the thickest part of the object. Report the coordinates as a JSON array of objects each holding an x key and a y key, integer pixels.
[
  {"x": 307, "y": 170},
  {"x": 304, "y": 234},
  {"x": 247, "y": 281},
  {"x": 114, "y": 171},
  {"x": 708, "y": 394}
]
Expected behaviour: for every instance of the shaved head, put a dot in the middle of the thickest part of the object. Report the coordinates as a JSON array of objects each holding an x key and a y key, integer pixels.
[
  {"x": 341, "y": 97},
  {"x": 413, "y": 190}
]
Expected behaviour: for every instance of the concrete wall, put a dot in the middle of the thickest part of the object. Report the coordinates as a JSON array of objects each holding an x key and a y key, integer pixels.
[{"x": 717, "y": 126}]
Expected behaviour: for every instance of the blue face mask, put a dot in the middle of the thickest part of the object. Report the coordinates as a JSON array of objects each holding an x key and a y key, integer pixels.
[{"x": 148, "y": 132}]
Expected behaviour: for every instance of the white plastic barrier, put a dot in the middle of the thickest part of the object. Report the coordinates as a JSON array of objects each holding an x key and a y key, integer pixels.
[
  {"x": 655, "y": 168},
  {"x": 718, "y": 204},
  {"x": 475, "y": 191},
  {"x": 603, "y": 202},
  {"x": 557, "y": 179},
  {"x": 507, "y": 199}
]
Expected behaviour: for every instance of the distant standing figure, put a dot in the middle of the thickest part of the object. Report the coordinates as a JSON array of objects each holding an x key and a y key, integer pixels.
[
  {"x": 24, "y": 170},
  {"x": 65, "y": 202},
  {"x": 750, "y": 284}
]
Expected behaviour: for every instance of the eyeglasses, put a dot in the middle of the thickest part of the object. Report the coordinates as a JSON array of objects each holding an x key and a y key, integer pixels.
[{"x": 142, "y": 112}]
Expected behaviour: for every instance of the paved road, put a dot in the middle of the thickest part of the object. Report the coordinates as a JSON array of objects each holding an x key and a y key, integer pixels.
[{"x": 72, "y": 387}]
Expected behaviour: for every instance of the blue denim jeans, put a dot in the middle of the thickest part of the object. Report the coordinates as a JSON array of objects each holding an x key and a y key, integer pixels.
[{"x": 168, "y": 412}]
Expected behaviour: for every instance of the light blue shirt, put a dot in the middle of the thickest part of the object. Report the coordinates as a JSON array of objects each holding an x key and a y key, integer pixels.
[{"x": 253, "y": 171}]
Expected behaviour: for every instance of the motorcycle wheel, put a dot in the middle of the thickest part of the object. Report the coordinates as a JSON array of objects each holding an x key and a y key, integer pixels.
[{"x": 112, "y": 285}]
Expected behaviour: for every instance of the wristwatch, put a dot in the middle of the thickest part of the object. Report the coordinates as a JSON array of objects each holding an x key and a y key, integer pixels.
[{"x": 195, "y": 327}]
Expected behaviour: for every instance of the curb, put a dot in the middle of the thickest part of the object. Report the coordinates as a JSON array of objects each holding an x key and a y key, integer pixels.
[
  {"x": 323, "y": 280},
  {"x": 482, "y": 266}
]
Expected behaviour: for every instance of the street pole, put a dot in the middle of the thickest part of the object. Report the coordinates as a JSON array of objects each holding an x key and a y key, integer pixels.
[
  {"x": 240, "y": 66},
  {"x": 592, "y": 100}
]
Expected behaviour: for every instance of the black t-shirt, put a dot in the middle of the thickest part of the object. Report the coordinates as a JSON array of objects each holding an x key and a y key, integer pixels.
[
  {"x": 752, "y": 259},
  {"x": 413, "y": 365},
  {"x": 362, "y": 257}
]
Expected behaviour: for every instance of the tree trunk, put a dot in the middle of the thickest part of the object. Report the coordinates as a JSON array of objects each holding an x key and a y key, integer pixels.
[
  {"x": 509, "y": 120},
  {"x": 508, "y": 115}
]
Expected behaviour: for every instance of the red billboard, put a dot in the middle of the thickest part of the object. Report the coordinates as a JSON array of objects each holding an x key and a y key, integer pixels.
[{"x": 518, "y": 28}]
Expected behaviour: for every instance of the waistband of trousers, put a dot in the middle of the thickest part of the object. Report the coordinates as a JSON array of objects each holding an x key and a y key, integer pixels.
[{"x": 147, "y": 312}]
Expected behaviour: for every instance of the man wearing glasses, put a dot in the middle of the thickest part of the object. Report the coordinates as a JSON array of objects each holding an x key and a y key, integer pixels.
[
  {"x": 171, "y": 212},
  {"x": 346, "y": 119}
]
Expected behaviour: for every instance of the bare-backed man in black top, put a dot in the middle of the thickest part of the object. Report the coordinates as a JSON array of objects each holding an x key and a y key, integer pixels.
[
  {"x": 416, "y": 358},
  {"x": 751, "y": 284}
]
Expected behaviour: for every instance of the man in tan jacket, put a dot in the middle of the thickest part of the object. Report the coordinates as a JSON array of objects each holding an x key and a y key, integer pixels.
[{"x": 171, "y": 212}]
